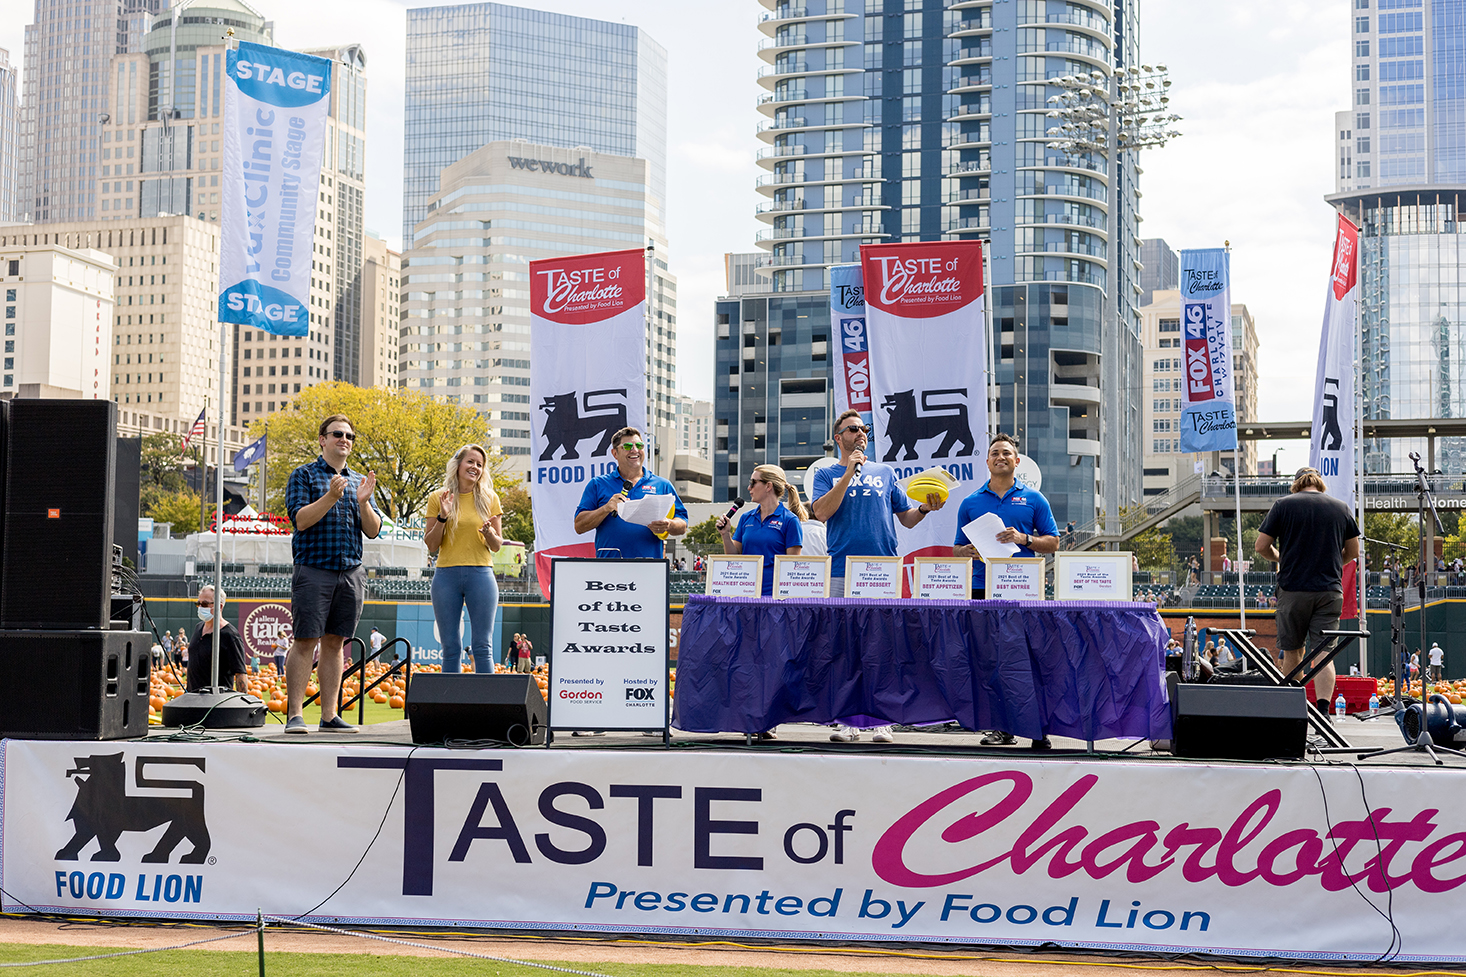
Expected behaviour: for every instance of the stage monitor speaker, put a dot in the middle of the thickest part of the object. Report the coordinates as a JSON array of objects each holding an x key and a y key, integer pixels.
[
  {"x": 60, "y": 465},
  {"x": 1238, "y": 722},
  {"x": 476, "y": 707},
  {"x": 74, "y": 685}
]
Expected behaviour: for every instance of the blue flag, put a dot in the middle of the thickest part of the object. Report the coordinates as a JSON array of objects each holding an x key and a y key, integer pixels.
[{"x": 249, "y": 454}]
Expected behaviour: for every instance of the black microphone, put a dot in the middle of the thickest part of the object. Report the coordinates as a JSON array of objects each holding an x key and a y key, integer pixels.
[{"x": 733, "y": 509}]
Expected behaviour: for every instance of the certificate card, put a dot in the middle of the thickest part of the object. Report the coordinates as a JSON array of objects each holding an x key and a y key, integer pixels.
[
  {"x": 943, "y": 577},
  {"x": 1015, "y": 578},
  {"x": 1092, "y": 576},
  {"x": 735, "y": 576},
  {"x": 801, "y": 577},
  {"x": 873, "y": 577}
]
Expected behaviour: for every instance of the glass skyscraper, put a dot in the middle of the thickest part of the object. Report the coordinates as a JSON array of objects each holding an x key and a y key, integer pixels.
[
  {"x": 918, "y": 120},
  {"x": 1401, "y": 163},
  {"x": 482, "y": 72}
]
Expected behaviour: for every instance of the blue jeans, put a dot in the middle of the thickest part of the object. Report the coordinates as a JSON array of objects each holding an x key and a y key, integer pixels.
[{"x": 453, "y": 588}]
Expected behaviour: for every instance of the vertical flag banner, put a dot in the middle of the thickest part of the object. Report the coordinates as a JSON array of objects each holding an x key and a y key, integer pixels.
[
  {"x": 1332, "y": 448},
  {"x": 852, "y": 359},
  {"x": 588, "y": 347},
  {"x": 1209, "y": 411},
  {"x": 275, "y": 108},
  {"x": 925, "y": 304}
]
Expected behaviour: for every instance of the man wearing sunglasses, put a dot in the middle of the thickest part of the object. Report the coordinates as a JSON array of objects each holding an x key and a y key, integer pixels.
[
  {"x": 615, "y": 537},
  {"x": 331, "y": 508}
]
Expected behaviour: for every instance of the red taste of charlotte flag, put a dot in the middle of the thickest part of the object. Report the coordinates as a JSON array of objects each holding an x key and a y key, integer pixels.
[
  {"x": 925, "y": 304},
  {"x": 587, "y": 344}
]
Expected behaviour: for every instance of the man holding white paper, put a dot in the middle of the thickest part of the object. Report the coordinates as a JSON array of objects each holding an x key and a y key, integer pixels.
[{"x": 600, "y": 504}]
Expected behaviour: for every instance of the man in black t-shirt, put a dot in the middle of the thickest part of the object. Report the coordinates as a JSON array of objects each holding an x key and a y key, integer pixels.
[
  {"x": 1318, "y": 534},
  {"x": 232, "y": 660}
]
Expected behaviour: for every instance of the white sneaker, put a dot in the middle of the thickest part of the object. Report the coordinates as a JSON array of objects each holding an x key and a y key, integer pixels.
[
  {"x": 882, "y": 734},
  {"x": 844, "y": 734}
]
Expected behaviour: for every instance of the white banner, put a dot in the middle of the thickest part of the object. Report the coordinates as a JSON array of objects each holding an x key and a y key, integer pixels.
[
  {"x": 1209, "y": 409},
  {"x": 1224, "y": 858},
  {"x": 609, "y": 636},
  {"x": 1332, "y": 449},
  {"x": 588, "y": 347},
  {"x": 275, "y": 108},
  {"x": 924, "y": 311}
]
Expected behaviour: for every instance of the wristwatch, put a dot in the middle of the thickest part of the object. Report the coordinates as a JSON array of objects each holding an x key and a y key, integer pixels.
[
  {"x": 923, "y": 509},
  {"x": 1027, "y": 538}
]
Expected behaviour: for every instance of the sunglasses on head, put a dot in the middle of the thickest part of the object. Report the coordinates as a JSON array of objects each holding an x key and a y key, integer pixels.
[{"x": 341, "y": 434}]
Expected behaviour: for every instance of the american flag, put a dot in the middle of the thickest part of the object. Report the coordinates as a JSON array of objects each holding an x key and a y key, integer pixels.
[{"x": 197, "y": 431}]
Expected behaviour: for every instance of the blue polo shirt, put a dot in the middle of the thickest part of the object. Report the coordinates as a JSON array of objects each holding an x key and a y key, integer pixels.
[
  {"x": 1023, "y": 509},
  {"x": 769, "y": 538},
  {"x": 614, "y": 533},
  {"x": 862, "y": 526}
]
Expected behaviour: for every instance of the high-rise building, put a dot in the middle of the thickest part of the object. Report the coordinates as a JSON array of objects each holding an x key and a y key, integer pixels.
[
  {"x": 58, "y": 318},
  {"x": 381, "y": 298},
  {"x": 907, "y": 120},
  {"x": 465, "y": 277},
  {"x": 695, "y": 427},
  {"x": 9, "y": 135},
  {"x": 483, "y": 72},
  {"x": 1401, "y": 165},
  {"x": 1162, "y": 269}
]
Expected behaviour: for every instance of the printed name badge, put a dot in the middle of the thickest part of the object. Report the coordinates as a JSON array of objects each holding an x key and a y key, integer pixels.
[
  {"x": 943, "y": 578},
  {"x": 801, "y": 577},
  {"x": 1015, "y": 578},
  {"x": 873, "y": 577},
  {"x": 735, "y": 576},
  {"x": 1092, "y": 576}
]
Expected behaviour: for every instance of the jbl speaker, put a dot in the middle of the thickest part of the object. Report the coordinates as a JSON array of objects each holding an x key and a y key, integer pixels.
[
  {"x": 476, "y": 707},
  {"x": 1238, "y": 722},
  {"x": 74, "y": 685},
  {"x": 60, "y": 463}
]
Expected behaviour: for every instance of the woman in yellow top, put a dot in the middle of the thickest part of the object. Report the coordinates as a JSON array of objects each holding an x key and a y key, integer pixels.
[{"x": 465, "y": 531}]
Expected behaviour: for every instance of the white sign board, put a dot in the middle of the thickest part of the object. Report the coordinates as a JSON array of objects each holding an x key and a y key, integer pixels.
[
  {"x": 873, "y": 577},
  {"x": 731, "y": 575},
  {"x": 608, "y": 644},
  {"x": 801, "y": 577},
  {"x": 1092, "y": 576},
  {"x": 943, "y": 577},
  {"x": 1015, "y": 578}
]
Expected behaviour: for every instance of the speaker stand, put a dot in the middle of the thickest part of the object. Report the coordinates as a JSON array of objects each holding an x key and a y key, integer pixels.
[{"x": 214, "y": 709}]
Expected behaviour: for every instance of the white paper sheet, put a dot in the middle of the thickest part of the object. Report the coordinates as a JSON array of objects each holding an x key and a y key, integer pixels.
[
  {"x": 983, "y": 531},
  {"x": 645, "y": 510}
]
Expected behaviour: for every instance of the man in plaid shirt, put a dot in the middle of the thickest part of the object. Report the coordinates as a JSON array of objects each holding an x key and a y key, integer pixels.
[{"x": 331, "y": 508}]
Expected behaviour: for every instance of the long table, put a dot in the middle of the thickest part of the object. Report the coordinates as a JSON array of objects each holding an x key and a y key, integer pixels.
[{"x": 1089, "y": 670}]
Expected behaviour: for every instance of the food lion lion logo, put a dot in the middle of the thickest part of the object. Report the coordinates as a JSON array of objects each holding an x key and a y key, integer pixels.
[{"x": 104, "y": 811}]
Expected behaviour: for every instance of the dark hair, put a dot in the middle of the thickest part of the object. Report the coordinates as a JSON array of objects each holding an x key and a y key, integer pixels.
[
  {"x": 332, "y": 420},
  {"x": 843, "y": 418},
  {"x": 623, "y": 434},
  {"x": 1000, "y": 436}
]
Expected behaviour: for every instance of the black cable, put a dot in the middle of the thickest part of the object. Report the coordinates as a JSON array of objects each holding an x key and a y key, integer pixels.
[{"x": 1397, "y": 943}]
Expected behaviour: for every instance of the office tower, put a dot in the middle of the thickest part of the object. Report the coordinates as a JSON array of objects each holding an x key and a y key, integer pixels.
[
  {"x": 1402, "y": 161},
  {"x": 58, "y": 318},
  {"x": 695, "y": 427},
  {"x": 483, "y": 72},
  {"x": 907, "y": 120},
  {"x": 9, "y": 135},
  {"x": 1162, "y": 269},
  {"x": 381, "y": 295},
  {"x": 465, "y": 277}
]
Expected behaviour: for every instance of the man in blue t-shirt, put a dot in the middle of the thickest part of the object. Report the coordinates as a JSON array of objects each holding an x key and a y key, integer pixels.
[
  {"x": 1027, "y": 521},
  {"x": 615, "y": 537},
  {"x": 856, "y": 510}
]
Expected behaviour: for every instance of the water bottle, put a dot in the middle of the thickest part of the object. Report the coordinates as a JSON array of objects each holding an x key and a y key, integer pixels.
[
  {"x": 1339, "y": 707},
  {"x": 1373, "y": 704}
]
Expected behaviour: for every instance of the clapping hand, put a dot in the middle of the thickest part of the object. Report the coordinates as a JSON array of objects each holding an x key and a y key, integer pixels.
[{"x": 366, "y": 488}]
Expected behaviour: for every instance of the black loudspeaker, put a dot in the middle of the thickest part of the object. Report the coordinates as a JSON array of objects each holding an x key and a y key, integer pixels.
[
  {"x": 126, "y": 491},
  {"x": 1238, "y": 722},
  {"x": 60, "y": 466},
  {"x": 476, "y": 707},
  {"x": 74, "y": 685}
]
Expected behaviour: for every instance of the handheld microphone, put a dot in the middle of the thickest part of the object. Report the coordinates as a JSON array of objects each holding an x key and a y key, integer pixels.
[{"x": 733, "y": 509}]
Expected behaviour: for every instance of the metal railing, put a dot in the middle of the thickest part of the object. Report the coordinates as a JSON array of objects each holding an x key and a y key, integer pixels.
[
  {"x": 1134, "y": 518},
  {"x": 359, "y": 665}
]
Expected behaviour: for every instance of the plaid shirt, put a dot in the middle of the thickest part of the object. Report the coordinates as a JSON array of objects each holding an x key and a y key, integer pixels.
[{"x": 333, "y": 543}]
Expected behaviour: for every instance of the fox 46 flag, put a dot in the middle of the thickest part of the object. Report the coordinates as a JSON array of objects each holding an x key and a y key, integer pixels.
[
  {"x": 852, "y": 357},
  {"x": 275, "y": 108},
  {"x": 1208, "y": 411},
  {"x": 1331, "y": 450}
]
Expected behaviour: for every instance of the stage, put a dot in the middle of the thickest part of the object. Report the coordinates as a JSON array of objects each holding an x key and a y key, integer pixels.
[{"x": 931, "y": 839}]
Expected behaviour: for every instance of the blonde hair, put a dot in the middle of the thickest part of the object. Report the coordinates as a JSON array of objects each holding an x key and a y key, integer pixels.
[
  {"x": 783, "y": 491},
  {"x": 1308, "y": 478},
  {"x": 483, "y": 492}
]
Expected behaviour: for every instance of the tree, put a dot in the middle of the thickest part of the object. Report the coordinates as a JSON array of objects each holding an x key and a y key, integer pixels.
[
  {"x": 518, "y": 518},
  {"x": 162, "y": 464},
  {"x": 404, "y": 436},
  {"x": 1154, "y": 549},
  {"x": 178, "y": 509},
  {"x": 1392, "y": 527},
  {"x": 705, "y": 533},
  {"x": 1185, "y": 533}
]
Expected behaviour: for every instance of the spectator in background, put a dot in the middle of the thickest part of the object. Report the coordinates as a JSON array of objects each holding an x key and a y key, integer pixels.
[
  {"x": 180, "y": 648},
  {"x": 232, "y": 663}
]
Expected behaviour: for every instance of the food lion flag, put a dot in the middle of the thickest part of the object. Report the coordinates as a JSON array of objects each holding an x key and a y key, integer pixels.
[
  {"x": 925, "y": 303},
  {"x": 1332, "y": 448},
  {"x": 275, "y": 107},
  {"x": 1208, "y": 411},
  {"x": 852, "y": 356},
  {"x": 588, "y": 347}
]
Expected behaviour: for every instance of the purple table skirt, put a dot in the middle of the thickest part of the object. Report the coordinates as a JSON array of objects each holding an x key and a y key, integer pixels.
[{"x": 1089, "y": 670}]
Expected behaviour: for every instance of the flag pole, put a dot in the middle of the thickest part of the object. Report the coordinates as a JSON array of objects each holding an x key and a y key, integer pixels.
[
  {"x": 1361, "y": 581},
  {"x": 1236, "y": 464}
]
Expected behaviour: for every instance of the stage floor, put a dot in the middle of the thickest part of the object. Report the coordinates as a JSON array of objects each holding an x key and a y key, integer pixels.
[{"x": 1378, "y": 733}]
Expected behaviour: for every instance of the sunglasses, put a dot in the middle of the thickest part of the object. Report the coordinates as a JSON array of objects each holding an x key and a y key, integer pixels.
[
  {"x": 855, "y": 428},
  {"x": 755, "y": 481},
  {"x": 632, "y": 445},
  {"x": 341, "y": 434},
  {"x": 206, "y": 603}
]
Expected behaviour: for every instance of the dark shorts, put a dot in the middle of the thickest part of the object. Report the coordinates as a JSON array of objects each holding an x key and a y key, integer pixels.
[
  {"x": 326, "y": 602},
  {"x": 1306, "y": 614}
]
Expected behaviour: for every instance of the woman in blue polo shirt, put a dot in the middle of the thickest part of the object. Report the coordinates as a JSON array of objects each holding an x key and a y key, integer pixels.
[{"x": 773, "y": 528}]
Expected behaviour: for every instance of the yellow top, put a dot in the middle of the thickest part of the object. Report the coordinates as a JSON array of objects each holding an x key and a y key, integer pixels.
[{"x": 462, "y": 545}]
